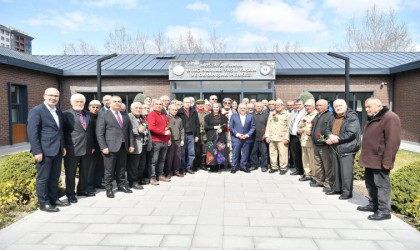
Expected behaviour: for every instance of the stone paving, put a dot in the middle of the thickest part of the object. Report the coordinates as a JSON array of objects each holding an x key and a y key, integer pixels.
[{"x": 212, "y": 211}]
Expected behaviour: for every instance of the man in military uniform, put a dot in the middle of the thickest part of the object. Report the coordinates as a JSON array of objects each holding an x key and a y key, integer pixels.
[
  {"x": 304, "y": 132},
  {"x": 277, "y": 136},
  {"x": 200, "y": 146}
]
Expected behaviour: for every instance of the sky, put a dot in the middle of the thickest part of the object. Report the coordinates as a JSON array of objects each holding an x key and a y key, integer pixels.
[{"x": 245, "y": 25}]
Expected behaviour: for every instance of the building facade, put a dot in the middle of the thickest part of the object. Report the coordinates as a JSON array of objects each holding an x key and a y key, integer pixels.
[
  {"x": 4, "y": 36},
  {"x": 392, "y": 77},
  {"x": 15, "y": 39}
]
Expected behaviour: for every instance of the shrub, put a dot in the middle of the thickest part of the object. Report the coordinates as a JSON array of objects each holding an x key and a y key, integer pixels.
[
  {"x": 414, "y": 210},
  {"x": 359, "y": 172},
  {"x": 17, "y": 186},
  {"x": 406, "y": 189}
]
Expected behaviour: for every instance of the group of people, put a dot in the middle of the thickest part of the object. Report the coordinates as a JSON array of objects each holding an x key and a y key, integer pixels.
[{"x": 160, "y": 138}]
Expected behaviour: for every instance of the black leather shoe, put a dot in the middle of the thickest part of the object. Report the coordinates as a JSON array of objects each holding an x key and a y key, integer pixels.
[
  {"x": 294, "y": 173},
  {"x": 92, "y": 190},
  {"x": 283, "y": 171},
  {"x": 87, "y": 194},
  {"x": 312, "y": 182},
  {"x": 332, "y": 192},
  {"x": 49, "y": 208},
  {"x": 253, "y": 168},
  {"x": 245, "y": 170},
  {"x": 72, "y": 199},
  {"x": 137, "y": 186},
  {"x": 190, "y": 171},
  {"x": 264, "y": 169},
  {"x": 327, "y": 189},
  {"x": 59, "y": 203},
  {"x": 125, "y": 189},
  {"x": 110, "y": 194},
  {"x": 368, "y": 208},
  {"x": 315, "y": 184},
  {"x": 233, "y": 171},
  {"x": 99, "y": 186},
  {"x": 272, "y": 171},
  {"x": 345, "y": 197},
  {"x": 305, "y": 178},
  {"x": 379, "y": 216}
]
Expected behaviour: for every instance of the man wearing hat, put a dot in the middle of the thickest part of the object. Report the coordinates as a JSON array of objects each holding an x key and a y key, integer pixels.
[
  {"x": 200, "y": 149},
  {"x": 304, "y": 132}
]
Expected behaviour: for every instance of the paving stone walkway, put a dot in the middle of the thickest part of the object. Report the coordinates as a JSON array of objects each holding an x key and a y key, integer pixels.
[{"x": 212, "y": 211}]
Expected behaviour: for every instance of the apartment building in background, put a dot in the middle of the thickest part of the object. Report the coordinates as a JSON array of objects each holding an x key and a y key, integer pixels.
[{"x": 15, "y": 39}]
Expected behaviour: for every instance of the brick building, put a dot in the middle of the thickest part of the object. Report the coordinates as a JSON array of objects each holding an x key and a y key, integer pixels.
[{"x": 393, "y": 77}]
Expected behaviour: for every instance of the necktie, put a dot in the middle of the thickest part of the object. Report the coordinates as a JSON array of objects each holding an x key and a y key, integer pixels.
[
  {"x": 82, "y": 120},
  {"x": 119, "y": 119},
  {"x": 120, "y": 123}
]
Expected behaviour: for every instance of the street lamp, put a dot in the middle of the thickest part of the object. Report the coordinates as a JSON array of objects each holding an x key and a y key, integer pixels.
[
  {"x": 99, "y": 71},
  {"x": 347, "y": 74}
]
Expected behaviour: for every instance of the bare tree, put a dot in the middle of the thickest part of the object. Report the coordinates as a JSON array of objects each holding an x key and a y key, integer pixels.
[
  {"x": 292, "y": 47},
  {"x": 217, "y": 44},
  {"x": 159, "y": 42},
  {"x": 377, "y": 31},
  {"x": 141, "y": 43},
  {"x": 87, "y": 49},
  {"x": 187, "y": 44},
  {"x": 119, "y": 41},
  {"x": 83, "y": 48}
]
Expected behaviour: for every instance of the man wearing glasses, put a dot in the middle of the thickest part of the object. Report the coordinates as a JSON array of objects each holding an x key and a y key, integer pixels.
[{"x": 45, "y": 134}]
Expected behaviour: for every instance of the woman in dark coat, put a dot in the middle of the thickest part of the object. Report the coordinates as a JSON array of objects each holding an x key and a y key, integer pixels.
[{"x": 215, "y": 125}]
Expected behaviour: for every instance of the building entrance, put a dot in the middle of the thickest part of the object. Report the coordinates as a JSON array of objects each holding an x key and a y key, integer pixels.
[{"x": 222, "y": 95}]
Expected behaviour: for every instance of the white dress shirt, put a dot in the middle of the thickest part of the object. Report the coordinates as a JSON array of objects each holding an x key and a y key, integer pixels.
[{"x": 53, "y": 112}]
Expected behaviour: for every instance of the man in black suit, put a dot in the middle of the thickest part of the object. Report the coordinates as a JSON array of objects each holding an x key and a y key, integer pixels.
[
  {"x": 165, "y": 103},
  {"x": 45, "y": 134},
  {"x": 115, "y": 138},
  {"x": 78, "y": 128},
  {"x": 259, "y": 149}
]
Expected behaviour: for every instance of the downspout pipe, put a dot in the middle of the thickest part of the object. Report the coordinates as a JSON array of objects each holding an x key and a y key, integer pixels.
[
  {"x": 346, "y": 73},
  {"x": 99, "y": 72}
]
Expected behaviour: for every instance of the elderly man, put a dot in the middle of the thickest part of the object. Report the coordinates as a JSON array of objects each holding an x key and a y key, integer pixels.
[
  {"x": 323, "y": 175},
  {"x": 277, "y": 136},
  {"x": 78, "y": 129},
  {"x": 212, "y": 99},
  {"x": 272, "y": 107},
  {"x": 115, "y": 138},
  {"x": 290, "y": 104},
  {"x": 343, "y": 133},
  {"x": 123, "y": 108},
  {"x": 259, "y": 149},
  {"x": 200, "y": 146},
  {"x": 106, "y": 102},
  {"x": 96, "y": 169},
  {"x": 134, "y": 168},
  {"x": 245, "y": 100},
  {"x": 45, "y": 134},
  {"x": 191, "y": 125},
  {"x": 304, "y": 132},
  {"x": 161, "y": 135},
  {"x": 165, "y": 104},
  {"x": 250, "y": 107},
  {"x": 173, "y": 157},
  {"x": 146, "y": 153},
  {"x": 295, "y": 147},
  {"x": 381, "y": 141},
  {"x": 265, "y": 103},
  {"x": 242, "y": 129}
]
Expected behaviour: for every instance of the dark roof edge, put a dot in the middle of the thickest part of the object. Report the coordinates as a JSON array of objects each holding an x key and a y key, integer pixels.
[
  {"x": 29, "y": 65},
  {"x": 116, "y": 72},
  {"x": 405, "y": 67}
]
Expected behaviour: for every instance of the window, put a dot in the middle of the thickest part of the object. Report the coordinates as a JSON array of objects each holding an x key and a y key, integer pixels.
[
  {"x": 18, "y": 103},
  {"x": 7, "y": 40},
  {"x": 7, "y": 33},
  {"x": 2, "y": 31},
  {"x": 2, "y": 44},
  {"x": 2, "y": 38}
]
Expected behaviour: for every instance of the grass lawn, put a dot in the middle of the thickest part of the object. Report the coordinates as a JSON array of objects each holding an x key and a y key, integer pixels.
[{"x": 405, "y": 158}]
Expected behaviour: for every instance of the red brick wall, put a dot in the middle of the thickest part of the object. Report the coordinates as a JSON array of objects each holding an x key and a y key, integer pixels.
[
  {"x": 289, "y": 87},
  {"x": 407, "y": 92},
  {"x": 36, "y": 83},
  {"x": 151, "y": 86}
]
